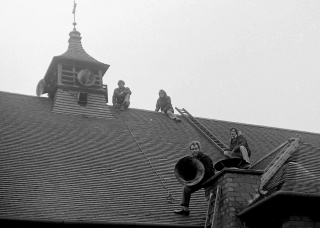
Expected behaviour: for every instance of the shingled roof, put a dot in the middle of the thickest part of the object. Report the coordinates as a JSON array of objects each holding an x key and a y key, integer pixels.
[
  {"x": 300, "y": 173},
  {"x": 64, "y": 167}
]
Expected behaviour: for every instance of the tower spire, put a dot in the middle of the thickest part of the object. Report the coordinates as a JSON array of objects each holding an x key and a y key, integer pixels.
[{"x": 74, "y": 15}]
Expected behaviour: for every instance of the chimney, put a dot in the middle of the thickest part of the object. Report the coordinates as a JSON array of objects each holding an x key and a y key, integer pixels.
[
  {"x": 238, "y": 188},
  {"x": 238, "y": 206}
]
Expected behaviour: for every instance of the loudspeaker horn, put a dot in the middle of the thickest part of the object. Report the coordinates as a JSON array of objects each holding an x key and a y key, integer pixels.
[{"x": 189, "y": 171}]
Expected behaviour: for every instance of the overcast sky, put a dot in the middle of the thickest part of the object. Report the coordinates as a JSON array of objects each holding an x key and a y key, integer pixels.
[{"x": 255, "y": 62}]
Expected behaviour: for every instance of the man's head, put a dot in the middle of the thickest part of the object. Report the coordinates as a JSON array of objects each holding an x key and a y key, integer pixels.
[
  {"x": 233, "y": 132},
  {"x": 195, "y": 148},
  {"x": 162, "y": 93},
  {"x": 121, "y": 83}
]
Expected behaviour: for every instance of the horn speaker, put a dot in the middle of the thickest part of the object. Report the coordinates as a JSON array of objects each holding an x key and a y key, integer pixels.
[{"x": 189, "y": 171}]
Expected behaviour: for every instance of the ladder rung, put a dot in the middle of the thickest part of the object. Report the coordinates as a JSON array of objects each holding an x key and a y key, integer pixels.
[{"x": 211, "y": 137}]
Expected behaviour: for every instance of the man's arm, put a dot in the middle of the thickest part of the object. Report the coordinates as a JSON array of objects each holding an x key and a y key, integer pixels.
[
  {"x": 229, "y": 148},
  {"x": 168, "y": 106},
  {"x": 114, "y": 98},
  {"x": 157, "y": 107},
  {"x": 127, "y": 91},
  {"x": 241, "y": 141},
  {"x": 207, "y": 163},
  {"x": 116, "y": 94}
]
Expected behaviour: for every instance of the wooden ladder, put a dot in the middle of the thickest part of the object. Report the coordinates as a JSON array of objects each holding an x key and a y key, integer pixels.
[
  {"x": 211, "y": 137},
  {"x": 277, "y": 162},
  {"x": 212, "y": 210}
]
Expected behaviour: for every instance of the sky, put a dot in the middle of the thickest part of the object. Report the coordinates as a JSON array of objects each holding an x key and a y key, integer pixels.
[{"x": 254, "y": 62}]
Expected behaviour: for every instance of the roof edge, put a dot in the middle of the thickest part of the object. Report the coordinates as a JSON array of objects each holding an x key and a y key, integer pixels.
[
  {"x": 281, "y": 202},
  {"x": 285, "y": 129},
  {"x": 247, "y": 124},
  {"x": 52, "y": 222},
  {"x": 269, "y": 154},
  {"x": 230, "y": 170},
  {"x": 26, "y": 95},
  {"x": 257, "y": 125}
]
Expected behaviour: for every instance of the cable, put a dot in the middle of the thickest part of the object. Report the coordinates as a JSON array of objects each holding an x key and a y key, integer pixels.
[{"x": 169, "y": 196}]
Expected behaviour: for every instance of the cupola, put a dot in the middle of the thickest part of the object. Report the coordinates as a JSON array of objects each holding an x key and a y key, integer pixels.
[{"x": 75, "y": 82}]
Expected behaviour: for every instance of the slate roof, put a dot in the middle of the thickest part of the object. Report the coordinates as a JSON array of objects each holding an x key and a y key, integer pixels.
[
  {"x": 300, "y": 173},
  {"x": 66, "y": 167}
]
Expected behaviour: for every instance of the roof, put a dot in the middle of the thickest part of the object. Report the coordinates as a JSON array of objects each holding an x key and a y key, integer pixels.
[
  {"x": 76, "y": 53},
  {"x": 71, "y": 168},
  {"x": 281, "y": 205},
  {"x": 300, "y": 173},
  {"x": 75, "y": 50}
]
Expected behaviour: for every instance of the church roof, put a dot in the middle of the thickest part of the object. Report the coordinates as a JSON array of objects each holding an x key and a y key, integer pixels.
[{"x": 70, "y": 168}]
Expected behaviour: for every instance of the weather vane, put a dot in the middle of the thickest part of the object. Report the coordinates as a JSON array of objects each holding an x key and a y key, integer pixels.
[{"x": 74, "y": 15}]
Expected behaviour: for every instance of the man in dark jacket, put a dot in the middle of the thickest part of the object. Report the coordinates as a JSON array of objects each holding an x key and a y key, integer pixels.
[
  {"x": 239, "y": 148},
  {"x": 121, "y": 96},
  {"x": 164, "y": 103},
  {"x": 195, "y": 149}
]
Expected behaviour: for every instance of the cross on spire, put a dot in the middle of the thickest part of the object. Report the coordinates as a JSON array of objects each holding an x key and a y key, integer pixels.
[{"x": 74, "y": 15}]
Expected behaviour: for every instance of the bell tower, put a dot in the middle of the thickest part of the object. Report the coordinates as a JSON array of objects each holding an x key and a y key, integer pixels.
[{"x": 75, "y": 81}]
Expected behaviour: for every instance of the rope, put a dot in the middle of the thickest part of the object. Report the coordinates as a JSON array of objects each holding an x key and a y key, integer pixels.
[{"x": 169, "y": 196}]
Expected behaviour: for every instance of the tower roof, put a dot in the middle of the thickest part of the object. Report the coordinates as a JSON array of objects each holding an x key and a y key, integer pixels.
[{"x": 75, "y": 54}]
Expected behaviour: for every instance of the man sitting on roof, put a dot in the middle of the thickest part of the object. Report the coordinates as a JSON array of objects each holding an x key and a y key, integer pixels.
[
  {"x": 121, "y": 96},
  {"x": 239, "y": 148},
  {"x": 195, "y": 149},
  {"x": 164, "y": 102}
]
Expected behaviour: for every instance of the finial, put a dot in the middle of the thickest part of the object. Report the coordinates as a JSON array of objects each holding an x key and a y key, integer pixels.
[{"x": 74, "y": 15}]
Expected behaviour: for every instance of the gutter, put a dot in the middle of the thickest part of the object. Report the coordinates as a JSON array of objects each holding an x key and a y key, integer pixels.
[{"x": 9, "y": 222}]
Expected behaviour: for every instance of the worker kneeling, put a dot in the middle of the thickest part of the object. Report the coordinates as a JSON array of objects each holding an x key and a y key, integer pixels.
[{"x": 239, "y": 148}]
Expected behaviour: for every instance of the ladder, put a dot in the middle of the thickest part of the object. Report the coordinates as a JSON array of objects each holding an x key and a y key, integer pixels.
[
  {"x": 277, "y": 162},
  {"x": 211, "y": 137},
  {"x": 212, "y": 210}
]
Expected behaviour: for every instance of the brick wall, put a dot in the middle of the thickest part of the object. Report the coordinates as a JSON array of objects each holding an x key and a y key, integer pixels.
[{"x": 237, "y": 188}]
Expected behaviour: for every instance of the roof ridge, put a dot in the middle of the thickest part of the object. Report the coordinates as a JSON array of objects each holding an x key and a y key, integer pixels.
[
  {"x": 277, "y": 149},
  {"x": 262, "y": 126},
  {"x": 26, "y": 95},
  {"x": 204, "y": 118},
  {"x": 247, "y": 124}
]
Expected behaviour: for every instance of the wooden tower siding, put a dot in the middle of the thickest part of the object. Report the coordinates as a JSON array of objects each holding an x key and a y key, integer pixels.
[{"x": 66, "y": 102}]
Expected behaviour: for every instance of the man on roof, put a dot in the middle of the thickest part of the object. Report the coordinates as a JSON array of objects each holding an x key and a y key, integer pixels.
[
  {"x": 121, "y": 96},
  {"x": 195, "y": 150},
  {"x": 239, "y": 148},
  {"x": 164, "y": 103}
]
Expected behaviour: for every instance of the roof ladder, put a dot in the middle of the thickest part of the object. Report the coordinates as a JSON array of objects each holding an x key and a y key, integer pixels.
[
  {"x": 277, "y": 162},
  {"x": 212, "y": 211},
  {"x": 211, "y": 137}
]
